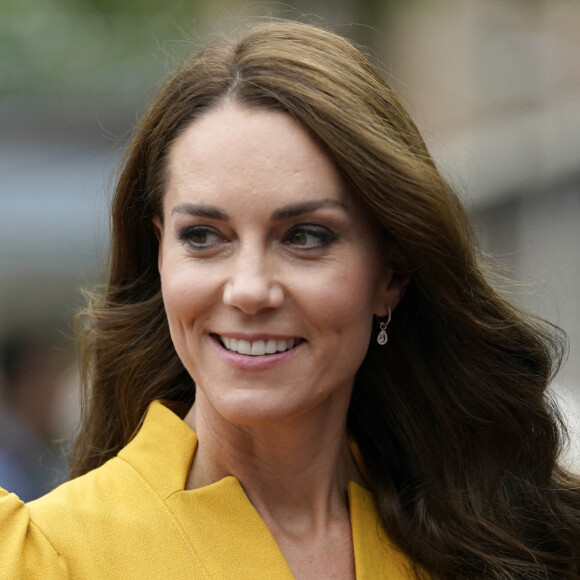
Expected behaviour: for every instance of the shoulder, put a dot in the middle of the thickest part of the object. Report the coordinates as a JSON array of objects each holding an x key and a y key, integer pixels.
[
  {"x": 112, "y": 523},
  {"x": 116, "y": 521},
  {"x": 97, "y": 496},
  {"x": 128, "y": 490},
  {"x": 25, "y": 552}
]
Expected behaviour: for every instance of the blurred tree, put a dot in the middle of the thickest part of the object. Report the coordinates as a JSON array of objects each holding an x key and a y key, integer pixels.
[
  {"x": 364, "y": 18},
  {"x": 86, "y": 47}
]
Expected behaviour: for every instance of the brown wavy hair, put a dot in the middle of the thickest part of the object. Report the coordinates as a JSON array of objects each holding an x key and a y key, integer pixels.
[{"x": 452, "y": 418}]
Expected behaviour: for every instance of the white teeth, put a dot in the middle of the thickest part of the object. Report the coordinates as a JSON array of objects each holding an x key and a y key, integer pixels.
[
  {"x": 244, "y": 347},
  {"x": 258, "y": 347}
]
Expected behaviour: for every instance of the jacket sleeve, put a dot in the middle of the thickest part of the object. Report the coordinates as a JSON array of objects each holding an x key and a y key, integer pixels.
[{"x": 25, "y": 552}]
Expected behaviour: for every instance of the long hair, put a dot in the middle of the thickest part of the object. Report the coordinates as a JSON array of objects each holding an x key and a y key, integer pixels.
[{"x": 452, "y": 417}]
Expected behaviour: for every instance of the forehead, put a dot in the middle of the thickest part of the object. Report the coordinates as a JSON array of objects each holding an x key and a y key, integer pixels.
[{"x": 247, "y": 152}]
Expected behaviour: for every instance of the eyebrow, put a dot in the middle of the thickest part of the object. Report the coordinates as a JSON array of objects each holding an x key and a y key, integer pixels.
[
  {"x": 298, "y": 209},
  {"x": 201, "y": 210},
  {"x": 287, "y": 212}
]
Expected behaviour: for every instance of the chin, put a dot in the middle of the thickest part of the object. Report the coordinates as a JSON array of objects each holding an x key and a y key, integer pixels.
[{"x": 259, "y": 408}]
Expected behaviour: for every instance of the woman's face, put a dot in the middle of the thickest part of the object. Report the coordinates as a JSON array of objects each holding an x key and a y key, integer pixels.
[{"x": 270, "y": 271}]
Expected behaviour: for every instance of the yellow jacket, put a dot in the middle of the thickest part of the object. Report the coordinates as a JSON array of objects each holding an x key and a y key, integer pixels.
[{"x": 132, "y": 518}]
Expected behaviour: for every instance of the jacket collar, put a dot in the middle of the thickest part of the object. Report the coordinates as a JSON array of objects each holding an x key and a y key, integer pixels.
[{"x": 223, "y": 526}]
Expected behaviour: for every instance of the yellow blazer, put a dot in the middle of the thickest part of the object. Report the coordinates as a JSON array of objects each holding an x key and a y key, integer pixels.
[{"x": 132, "y": 519}]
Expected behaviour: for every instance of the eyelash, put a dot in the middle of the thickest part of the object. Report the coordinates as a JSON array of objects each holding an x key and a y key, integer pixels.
[
  {"x": 186, "y": 236},
  {"x": 323, "y": 237}
]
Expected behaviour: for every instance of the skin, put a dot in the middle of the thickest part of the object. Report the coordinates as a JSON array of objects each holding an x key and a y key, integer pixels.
[{"x": 259, "y": 240}]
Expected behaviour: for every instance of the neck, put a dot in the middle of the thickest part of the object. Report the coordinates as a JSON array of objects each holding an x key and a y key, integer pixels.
[{"x": 294, "y": 471}]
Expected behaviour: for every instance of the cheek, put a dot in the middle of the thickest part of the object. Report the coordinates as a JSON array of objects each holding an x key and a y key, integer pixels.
[
  {"x": 176, "y": 291},
  {"x": 351, "y": 294},
  {"x": 344, "y": 306},
  {"x": 353, "y": 318},
  {"x": 187, "y": 299},
  {"x": 177, "y": 304},
  {"x": 185, "y": 292}
]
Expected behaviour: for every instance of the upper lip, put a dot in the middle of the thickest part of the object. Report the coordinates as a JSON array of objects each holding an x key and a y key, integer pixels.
[{"x": 253, "y": 337}]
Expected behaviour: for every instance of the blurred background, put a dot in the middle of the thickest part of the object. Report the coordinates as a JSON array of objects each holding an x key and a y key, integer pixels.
[{"x": 493, "y": 84}]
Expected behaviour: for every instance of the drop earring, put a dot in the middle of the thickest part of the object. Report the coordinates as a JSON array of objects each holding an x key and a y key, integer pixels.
[{"x": 382, "y": 337}]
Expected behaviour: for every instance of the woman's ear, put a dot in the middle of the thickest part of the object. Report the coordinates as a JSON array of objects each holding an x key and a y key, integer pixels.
[
  {"x": 158, "y": 226},
  {"x": 395, "y": 278},
  {"x": 392, "y": 287}
]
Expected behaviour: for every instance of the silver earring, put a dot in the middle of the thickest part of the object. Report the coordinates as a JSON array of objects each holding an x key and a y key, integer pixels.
[{"x": 382, "y": 336}]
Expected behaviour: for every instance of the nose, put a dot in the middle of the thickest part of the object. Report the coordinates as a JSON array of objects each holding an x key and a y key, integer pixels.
[{"x": 251, "y": 285}]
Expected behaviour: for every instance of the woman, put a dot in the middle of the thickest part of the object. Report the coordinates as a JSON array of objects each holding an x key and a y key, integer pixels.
[{"x": 244, "y": 417}]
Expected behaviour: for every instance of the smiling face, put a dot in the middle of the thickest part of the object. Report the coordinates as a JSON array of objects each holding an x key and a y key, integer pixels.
[{"x": 270, "y": 270}]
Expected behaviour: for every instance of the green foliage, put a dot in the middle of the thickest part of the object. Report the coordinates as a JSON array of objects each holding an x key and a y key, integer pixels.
[
  {"x": 98, "y": 48},
  {"x": 87, "y": 46}
]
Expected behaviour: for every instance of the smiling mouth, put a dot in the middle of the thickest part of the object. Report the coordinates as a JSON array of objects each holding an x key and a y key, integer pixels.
[{"x": 258, "y": 347}]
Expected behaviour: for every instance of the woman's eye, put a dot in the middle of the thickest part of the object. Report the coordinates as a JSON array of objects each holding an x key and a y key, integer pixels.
[
  {"x": 309, "y": 237},
  {"x": 200, "y": 237}
]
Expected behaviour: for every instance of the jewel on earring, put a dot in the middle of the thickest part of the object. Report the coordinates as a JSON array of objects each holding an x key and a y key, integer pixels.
[{"x": 382, "y": 337}]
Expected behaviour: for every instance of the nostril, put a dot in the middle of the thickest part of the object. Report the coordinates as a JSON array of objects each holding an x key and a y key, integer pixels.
[{"x": 252, "y": 295}]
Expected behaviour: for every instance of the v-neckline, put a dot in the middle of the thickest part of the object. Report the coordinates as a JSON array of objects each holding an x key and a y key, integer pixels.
[{"x": 221, "y": 524}]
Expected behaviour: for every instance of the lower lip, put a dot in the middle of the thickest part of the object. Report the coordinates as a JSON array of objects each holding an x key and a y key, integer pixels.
[{"x": 254, "y": 363}]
